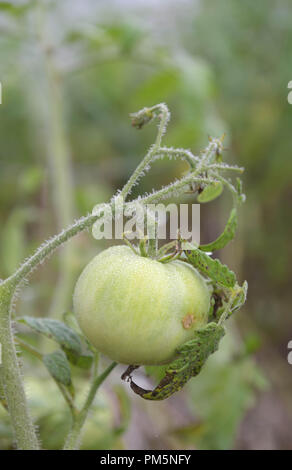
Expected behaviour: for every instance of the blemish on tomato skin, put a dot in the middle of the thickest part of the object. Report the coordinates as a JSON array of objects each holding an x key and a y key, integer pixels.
[{"x": 187, "y": 321}]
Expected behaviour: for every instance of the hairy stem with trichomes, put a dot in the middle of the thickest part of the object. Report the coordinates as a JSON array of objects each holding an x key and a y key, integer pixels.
[{"x": 73, "y": 440}]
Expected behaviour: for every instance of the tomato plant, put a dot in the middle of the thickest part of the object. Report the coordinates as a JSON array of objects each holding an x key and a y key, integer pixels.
[{"x": 138, "y": 305}]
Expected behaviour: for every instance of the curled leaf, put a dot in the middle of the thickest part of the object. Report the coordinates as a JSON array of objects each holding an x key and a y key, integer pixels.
[
  {"x": 191, "y": 357},
  {"x": 226, "y": 236}
]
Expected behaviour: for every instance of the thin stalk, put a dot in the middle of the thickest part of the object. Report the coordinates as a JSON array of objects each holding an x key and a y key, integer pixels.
[
  {"x": 175, "y": 189},
  {"x": 229, "y": 186},
  {"x": 73, "y": 440},
  {"x": 186, "y": 155},
  {"x": 223, "y": 167},
  {"x": 48, "y": 247},
  {"x": 211, "y": 152},
  {"x": 59, "y": 162}
]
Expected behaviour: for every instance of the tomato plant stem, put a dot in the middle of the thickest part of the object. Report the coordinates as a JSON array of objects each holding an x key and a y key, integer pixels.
[
  {"x": 137, "y": 174},
  {"x": 74, "y": 437}
]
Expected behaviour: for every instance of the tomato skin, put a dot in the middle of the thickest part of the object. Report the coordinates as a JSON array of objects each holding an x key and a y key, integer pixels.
[{"x": 136, "y": 310}]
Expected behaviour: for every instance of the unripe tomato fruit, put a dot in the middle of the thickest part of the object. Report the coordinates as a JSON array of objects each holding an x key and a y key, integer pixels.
[{"x": 137, "y": 310}]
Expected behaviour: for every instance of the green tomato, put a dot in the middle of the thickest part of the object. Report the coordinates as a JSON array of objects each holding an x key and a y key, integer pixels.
[{"x": 137, "y": 310}]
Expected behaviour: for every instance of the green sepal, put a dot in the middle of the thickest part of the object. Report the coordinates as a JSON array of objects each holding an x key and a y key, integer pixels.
[
  {"x": 191, "y": 357},
  {"x": 211, "y": 192},
  {"x": 213, "y": 268},
  {"x": 226, "y": 236}
]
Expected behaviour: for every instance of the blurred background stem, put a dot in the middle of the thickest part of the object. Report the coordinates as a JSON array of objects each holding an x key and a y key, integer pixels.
[{"x": 59, "y": 162}]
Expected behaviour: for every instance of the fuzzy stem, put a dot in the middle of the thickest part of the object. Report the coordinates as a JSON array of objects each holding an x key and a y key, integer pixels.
[
  {"x": 48, "y": 247},
  {"x": 175, "y": 189},
  {"x": 179, "y": 153},
  {"x": 164, "y": 117},
  {"x": 228, "y": 185},
  {"x": 223, "y": 167},
  {"x": 11, "y": 379},
  {"x": 10, "y": 375},
  {"x": 73, "y": 440}
]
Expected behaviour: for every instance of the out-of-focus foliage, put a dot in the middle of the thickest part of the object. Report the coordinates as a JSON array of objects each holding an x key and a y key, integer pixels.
[
  {"x": 53, "y": 419},
  {"x": 225, "y": 66}
]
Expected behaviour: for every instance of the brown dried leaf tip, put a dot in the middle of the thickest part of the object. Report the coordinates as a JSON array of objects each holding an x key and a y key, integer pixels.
[{"x": 187, "y": 321}]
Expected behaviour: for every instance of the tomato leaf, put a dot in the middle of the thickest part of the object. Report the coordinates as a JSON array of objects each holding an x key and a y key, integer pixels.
[
  {"x": 56, "y": 330},
  {"x": 226, "y": 236},
  {"x": 190, "y": 360},
  {"x": 83, "y": 361},
  {"x": 65, "y": 336},
  {"x": 58, "y": 366},
  {"x": 213, "y": 268}
]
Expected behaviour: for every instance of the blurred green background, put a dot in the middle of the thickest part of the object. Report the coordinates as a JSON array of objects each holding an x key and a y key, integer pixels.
[{"x": 71, "y": 73}]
